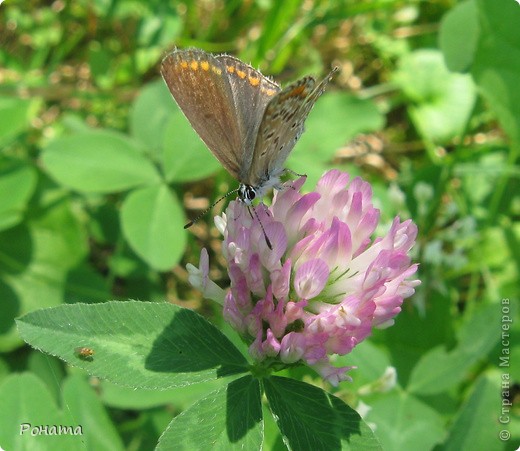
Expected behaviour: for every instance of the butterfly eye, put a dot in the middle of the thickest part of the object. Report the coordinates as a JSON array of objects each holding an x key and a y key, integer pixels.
[{"x": 247, "y": 194}]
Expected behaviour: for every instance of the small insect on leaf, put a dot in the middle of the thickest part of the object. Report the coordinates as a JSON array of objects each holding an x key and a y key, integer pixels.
[{"x": 84, "y": 353}]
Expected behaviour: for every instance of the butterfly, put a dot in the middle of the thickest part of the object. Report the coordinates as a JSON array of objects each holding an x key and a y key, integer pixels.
[{"x": 248, "y": 122}]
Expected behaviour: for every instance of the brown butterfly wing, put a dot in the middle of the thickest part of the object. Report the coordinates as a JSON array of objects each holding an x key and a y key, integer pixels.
[
  {"x": 199, "y": 84},
  {"x": 252, "y": 91},
  {"x": 281, "y": 127},
  {"x": 224, "y": 100}
]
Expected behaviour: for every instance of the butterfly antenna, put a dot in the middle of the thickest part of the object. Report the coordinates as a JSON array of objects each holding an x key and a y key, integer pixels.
[
  {"x": 267, "y": 240},
  {"x": 187, "y": 226},
  {"x": 294, "y": 173}
]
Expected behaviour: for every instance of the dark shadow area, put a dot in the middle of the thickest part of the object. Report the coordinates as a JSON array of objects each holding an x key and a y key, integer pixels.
[
  {"x": 84, "y": 284},
  {"x": 10, "y": 307},
  {"x": 328, "y": 420},
  {"x": 190, "y": 344},
  {"x": 244, "y": 407},
  {"x": 16, "y": 249}
]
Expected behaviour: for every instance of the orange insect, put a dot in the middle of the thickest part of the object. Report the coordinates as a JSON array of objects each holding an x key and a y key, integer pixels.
[{"x": 84, "y": 352}]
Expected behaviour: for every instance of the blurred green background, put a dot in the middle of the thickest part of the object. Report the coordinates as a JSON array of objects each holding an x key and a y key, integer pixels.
[{"x": 99, "y": 171}]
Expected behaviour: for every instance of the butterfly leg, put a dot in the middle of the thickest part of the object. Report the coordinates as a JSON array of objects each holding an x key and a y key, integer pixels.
[
  {"x": 282, "y": 186},
  {"x": 267, "y": 240}
]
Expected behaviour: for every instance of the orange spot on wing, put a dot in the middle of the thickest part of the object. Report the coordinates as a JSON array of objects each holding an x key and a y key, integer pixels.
[
  {"x": 298, "y": 91},
  {"x": 194, "y": 65},
  {"x": 269, "y": 92},
  {"x": 241, "y": 74},
  {"x": 184, "y": 64},
  {"x": 254, "y": 81},
  {"x": 230, "y": 69},
  {"x": 204, "y": 65},
  {"x": 216, "y": 70}
]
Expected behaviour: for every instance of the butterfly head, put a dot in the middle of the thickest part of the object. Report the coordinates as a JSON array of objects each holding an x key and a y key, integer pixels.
[{"x": 247, "y": 193}]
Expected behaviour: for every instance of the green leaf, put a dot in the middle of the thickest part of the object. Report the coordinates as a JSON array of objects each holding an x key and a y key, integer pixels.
[
  {"x": 281, "y": 17},
  {"x": 153, "y": 223},
  {"x": 185, "y": 156},
  {"x": 476, "y": 426},
  {"x": 26, "y": 402},
  {"x": 424, "y": 328},
  {"x": 273, "y": 439},
  {"x": 477, "y": 336},
  {"x": 19, "y": 181},
  {"x": 159, "y": 30},
  {"x": 442, "y": 101},
  {"x": 497, "y": 61},
  {"x": 4, "y": 370},
  {"x": 227, "y": 419},
  {"x": 151, "y": 113},
  {"x": 370, "y": 362},
  {"x": 99, "y": 161},
  {"x": 310, "y": 418},
  {"x": 130, "y": 398},
  {"x": 104, "y": 223},
  {"x": 15, "y": 116},
  {"x": 49, "y": 370},
  {"x": 403, "y": 422},
  {"x": 335, "y": 120},
  {"x": 135, "y": 344},
  {"x": 84, "y": 284},
  {"x": 84, "y": 407},
  {"x": 29, "y": 402},
  {"x": 459, "y": 35},
  {"x": 34, "y": 261},
  {"x": 437, "y": 370},
  {"x": 99, "y": 60}
]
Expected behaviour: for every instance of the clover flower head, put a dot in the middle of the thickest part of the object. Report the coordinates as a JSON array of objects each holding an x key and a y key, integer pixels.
[{"x": 324, "y": 285}]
